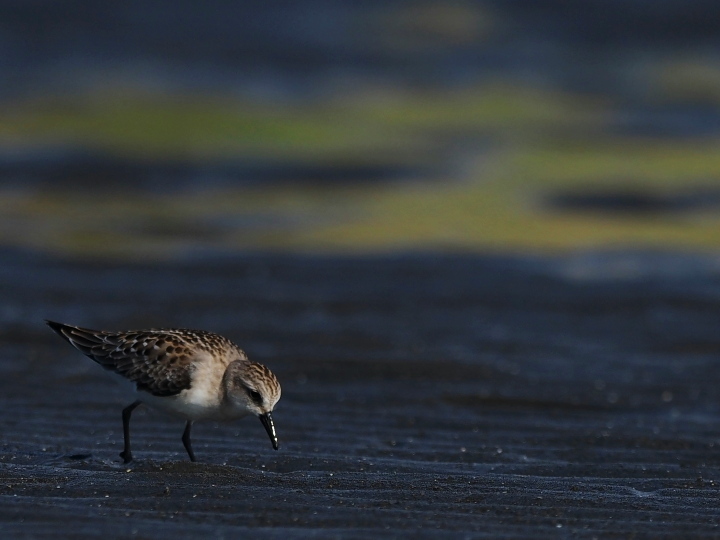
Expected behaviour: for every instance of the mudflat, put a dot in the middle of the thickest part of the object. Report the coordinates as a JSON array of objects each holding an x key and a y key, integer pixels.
[{"x": 442, "y": 396}]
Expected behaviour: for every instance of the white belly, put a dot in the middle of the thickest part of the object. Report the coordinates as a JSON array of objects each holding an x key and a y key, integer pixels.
[{"x": 192, "y": 405}]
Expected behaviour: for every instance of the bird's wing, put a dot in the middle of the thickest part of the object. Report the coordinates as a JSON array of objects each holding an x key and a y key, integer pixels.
[{"x": 159, "y": 362}]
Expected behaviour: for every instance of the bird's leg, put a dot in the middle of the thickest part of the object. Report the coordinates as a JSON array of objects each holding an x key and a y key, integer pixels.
[
  {"x": 186, "y": 440},
  {"x": 126, "y": 454}
]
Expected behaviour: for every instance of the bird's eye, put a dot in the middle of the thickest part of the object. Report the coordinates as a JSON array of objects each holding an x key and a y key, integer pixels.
[{"x": 255, "y": 395}]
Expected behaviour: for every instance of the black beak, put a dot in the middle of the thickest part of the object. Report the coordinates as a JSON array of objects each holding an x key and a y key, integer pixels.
[{"x": 267, "y": 421}]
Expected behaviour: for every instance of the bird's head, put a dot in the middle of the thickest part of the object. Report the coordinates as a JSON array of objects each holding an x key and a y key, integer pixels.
[{"x": 253, "y": 388}]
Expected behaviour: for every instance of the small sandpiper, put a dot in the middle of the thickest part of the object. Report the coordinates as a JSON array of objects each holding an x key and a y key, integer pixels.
[{"x": 194, "y": 374}]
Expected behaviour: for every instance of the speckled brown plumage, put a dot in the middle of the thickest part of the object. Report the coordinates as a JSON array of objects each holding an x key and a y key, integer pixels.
[{"x": 158, "y": 361}]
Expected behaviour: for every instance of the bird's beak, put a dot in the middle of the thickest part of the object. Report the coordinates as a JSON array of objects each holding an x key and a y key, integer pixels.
[{"x": 267, "y": 421}]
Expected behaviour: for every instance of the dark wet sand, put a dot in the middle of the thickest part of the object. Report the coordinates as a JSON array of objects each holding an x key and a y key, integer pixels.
[{"x": 443, "y": 397}]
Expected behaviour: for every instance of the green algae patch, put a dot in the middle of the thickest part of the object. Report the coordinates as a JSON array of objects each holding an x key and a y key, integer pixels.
[
  {"x": 483, "y": 167},
  {"x": 382, "y": 122}
]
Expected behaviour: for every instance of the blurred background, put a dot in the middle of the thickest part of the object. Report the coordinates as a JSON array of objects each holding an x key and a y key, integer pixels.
[{"x": 162, "y": 129}]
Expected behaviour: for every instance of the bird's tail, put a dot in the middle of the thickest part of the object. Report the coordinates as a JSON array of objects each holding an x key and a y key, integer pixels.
[{"x": 83, "y": 339}]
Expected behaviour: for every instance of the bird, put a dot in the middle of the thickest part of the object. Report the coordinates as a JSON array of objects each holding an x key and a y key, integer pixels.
[{"x": 193, "y": 374}]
